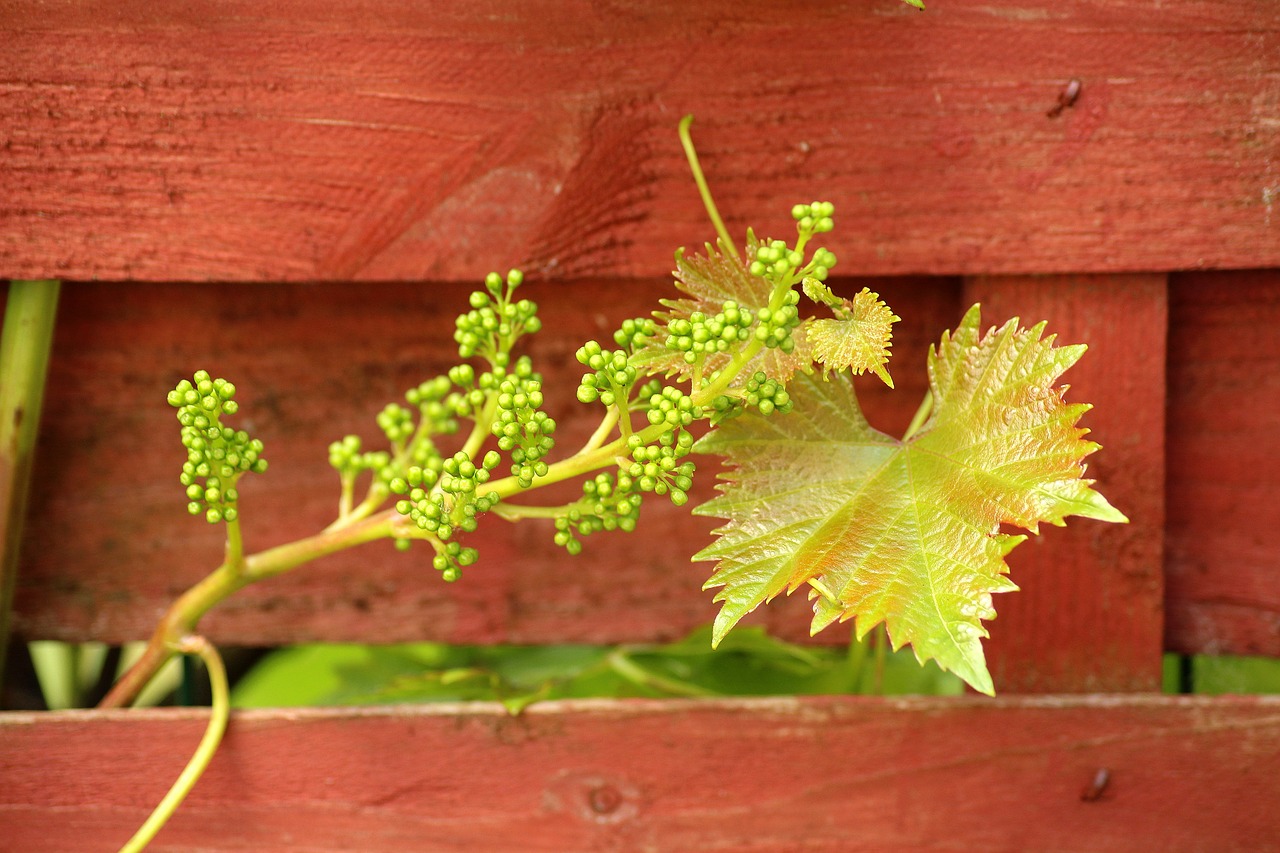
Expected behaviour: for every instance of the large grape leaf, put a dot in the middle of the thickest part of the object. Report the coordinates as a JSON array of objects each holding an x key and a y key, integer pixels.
[
  {"x": 708, "y": 281},
  {"x": 905, "y": 532}
]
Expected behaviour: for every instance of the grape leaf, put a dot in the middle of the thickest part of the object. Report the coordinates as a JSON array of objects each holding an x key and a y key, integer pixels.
[
  {"x": 858, "y": 339},
  {"x": 905, "y": 532},
  {"x": 710, "y": 280}
]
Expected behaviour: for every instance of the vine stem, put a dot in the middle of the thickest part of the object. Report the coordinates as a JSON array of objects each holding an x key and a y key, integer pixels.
[
  {"x": 480, "y": 427},
  {"x": 516, "y": 512},
  {"x": 855, "y": 662},
  {"x": 233, "y": 575},
  {"x": 921, "y": 415},
  {"x": 208, "y": 745},
  {"x": 346, "y": 498},
  {"x": 880, "y": 643},
  {"x": 235, "y": 544},
  {"x": 686, "y": 141},
  {"x": 607, "y": 423}
]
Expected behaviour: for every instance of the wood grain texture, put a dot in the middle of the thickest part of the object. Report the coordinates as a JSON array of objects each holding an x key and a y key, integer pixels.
[
  {"x": 1223, "y": 560},
  {"x": 1089, "y": 616},
  {"x": 322, "y": 140},
  {"x": 778, "y": 775},
  {"x": 110, "y": 545}
]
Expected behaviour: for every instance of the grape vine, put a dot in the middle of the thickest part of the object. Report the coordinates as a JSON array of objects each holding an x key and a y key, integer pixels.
[{"x": 904, "y": 532}]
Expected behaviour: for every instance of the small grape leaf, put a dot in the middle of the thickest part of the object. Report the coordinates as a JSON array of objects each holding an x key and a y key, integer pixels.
[
  {"x": 858, "y": 339},
  {"x": 905, "y": 532},
  {"x": 710, "y": 280}
]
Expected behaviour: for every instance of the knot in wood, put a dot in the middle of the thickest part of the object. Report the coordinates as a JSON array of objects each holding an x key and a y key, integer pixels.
[{"x": 604, "y": 799}]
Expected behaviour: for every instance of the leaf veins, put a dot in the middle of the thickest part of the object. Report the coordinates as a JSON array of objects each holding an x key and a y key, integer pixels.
[{"x": 905, "y": 532}]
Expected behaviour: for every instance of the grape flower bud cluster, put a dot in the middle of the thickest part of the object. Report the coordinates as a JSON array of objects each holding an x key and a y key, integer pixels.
[
  {"x": 442, "y": 495},
  {"x": 446, "y": 499},
  {"x": 217, "y": 455},
  {"x": 612, "y": 374},
  {"x": 606, "y": 504},
  {"x": 524, "y": 431},
  {"x": 495, "y": 321},
  {"x": 701, "y": 335}
]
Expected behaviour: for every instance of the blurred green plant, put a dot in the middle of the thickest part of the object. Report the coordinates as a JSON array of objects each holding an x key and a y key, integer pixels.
[
  {"x": 748, "y": 663},
  {"x": 1214, "y": 675},
  {"x": 751, "y": 663},
  {"x": 69, "y": 673}
]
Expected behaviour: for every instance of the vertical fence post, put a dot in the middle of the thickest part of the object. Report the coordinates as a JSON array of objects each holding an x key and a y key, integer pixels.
[{"x": 1090, "y": 614}]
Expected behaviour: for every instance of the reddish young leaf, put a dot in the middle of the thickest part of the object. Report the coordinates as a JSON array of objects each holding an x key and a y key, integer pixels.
[
  {"x": 858, "y": 339},
  {"x": 709, "y": 281}
]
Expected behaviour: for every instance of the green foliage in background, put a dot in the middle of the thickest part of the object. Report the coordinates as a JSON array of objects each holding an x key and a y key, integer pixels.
[{"x": 747, "y": 663}]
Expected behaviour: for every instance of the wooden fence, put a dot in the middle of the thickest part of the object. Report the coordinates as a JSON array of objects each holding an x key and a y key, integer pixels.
[{"x": 299, "y": 196}]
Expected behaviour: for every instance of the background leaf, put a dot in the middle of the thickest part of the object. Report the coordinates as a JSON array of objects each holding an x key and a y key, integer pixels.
[{"x": 904, "y": 532}]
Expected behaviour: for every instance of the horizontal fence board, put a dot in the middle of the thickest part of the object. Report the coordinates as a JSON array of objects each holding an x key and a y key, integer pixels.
[
  {"x": 110, "y": 545},
  {"x": 821, "y": 774},
  {"x": 320, "y": 140},
  {"x": 1089, "y": 617},
  {"x": 1224, "y": 463}
]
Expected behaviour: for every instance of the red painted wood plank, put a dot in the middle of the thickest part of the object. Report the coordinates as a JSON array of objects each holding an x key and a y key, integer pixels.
[
  {"x": 320, "y": 140},
  {"x": 1224, "y": 461},
  {"x": 821, "y": 774},
  {"x": 1089, "y": 616},
  {"x": 110, "y": 544}
]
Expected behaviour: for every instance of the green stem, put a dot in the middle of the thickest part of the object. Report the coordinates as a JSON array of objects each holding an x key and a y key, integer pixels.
[
  {"x": 235, "y": 544},
  {"x": 579, "y": 464},
  {"x": 220, "y": 712},
  {"x": 483, "y": 423},
  {"x": 856, "y": 662},
  {"x": 880, "y": 643},
  {"x": 378, "y": 492},
  {"x": 622, "y": 664},
  {"x": 802, "y": 240},
  {"x": 740, "y": 360},
  {"x": 592, "y": 457},
  {"x": 611, "y": 418},
  {"x": 515, "y": 512},
  {"x": 346, "y": 498},
  {"x": 184, "y": 614},
  {"x": 24, "y": 362},
  {"x": 624, "y": 423},
  {"x": 707, "y": 201},
  {"x": 823, "y": 590},
  {"x": 374, "y": 498},
  {"x": 704, "y": 396},
  {"x": 921, "y": 415},
  {"x": 282, "y": 558}
]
